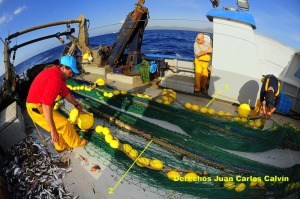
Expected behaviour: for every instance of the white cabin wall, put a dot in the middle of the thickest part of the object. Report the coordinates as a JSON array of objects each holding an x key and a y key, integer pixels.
[
  {"x": 274, "y": 56},
  {"x": 235, "y": 62}
]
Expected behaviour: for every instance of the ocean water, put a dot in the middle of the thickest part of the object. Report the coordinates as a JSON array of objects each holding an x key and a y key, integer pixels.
[{"x": 168, "y": 43}]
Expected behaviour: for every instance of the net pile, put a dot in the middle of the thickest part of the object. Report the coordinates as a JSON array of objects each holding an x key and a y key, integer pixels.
[{"x": 199, "y": 150}]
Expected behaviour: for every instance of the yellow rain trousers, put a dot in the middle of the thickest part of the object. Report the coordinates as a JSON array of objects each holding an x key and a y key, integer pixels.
[
  {"x": 67, "y": 136},
  {"x": 257, "y": 108},
  {"x": 256, "y": 112},
  {"x": 201, "y": 74}
]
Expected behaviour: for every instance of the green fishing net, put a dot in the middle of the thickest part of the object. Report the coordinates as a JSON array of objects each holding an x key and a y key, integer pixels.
[{"x": 201, "y": 148}]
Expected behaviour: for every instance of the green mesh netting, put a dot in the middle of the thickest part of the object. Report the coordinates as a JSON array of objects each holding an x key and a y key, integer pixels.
[
  {"x": 199, "y": 150},
  {"x": 213, "y": 131}
]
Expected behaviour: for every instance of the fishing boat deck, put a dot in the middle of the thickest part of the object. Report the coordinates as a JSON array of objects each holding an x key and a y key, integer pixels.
[{"x": 87, "y": 184}]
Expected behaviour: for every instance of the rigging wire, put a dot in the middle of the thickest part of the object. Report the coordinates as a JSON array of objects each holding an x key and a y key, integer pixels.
[{"x": 162, "y": 19}]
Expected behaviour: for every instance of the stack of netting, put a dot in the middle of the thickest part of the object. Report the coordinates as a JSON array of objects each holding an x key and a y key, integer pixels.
[{"x": 203, "y": 142}]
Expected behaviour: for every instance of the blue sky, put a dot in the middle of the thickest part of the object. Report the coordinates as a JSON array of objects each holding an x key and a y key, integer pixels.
[{"x": 278, "y": 19}]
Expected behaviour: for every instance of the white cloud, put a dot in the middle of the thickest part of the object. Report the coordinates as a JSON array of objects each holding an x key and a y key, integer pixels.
[
  {"x": 4, "y": 18},
  {"x": 19, "y": 10}
]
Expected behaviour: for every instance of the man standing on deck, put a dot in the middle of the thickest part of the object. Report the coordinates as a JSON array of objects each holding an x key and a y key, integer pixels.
[
  {"x": 202, "y": 52},
  {"x": 269, "y": 96},
  {"x": 43, "y": 91}
]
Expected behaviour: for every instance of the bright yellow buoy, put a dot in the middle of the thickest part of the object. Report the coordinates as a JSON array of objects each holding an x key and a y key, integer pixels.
[
  {"x": 156, "y": 164},
  {"x": 159, "y": 101},
  {"x": 99, "y": 129},
  {"x": 69, "y": 87},
  {"x": 253, "y": 183},
  {"x": 85, "y": 56},
  {"x": 251, "y": 122},
  {"x": 166, "y": 102},
  {"x": 188, "y": 105},
  {"x": 58, "y": 98},
  {"x": 142, "y": 161},
  {"x": 126, "y": 148},
  {"x": 237, "y": 119},
  {"x": 110, "y": 95},
  {"x": 114, "y": 144},
  {"x": 190, "y": 177},
  {"x": 229, "y": 185},
  {"x": 240, "y": 187},
  {"x": 203, "y": 110},
  {"x": 228, "y": 115},
  {"x": 108, "y": 138},
  {"x": 173, "y": 175},
  {"x": 123, "y": 92},
  {"x": 244, "y": 110},
  {"x": 85, "y": 121},
  {"x": 56, "y": 106},
  {"x": 73, "y": 115},
  {"x": 244, "y": 120},
  {"x": 211, "y": 111},
  {"x": 195, "y": 107},
  {"x": 133, "y": 153},
  {"x": 105, "y": 130},
  {"x": 257, "y": 123},
  {"x": 221, "y": 113},
  {"x": 260, "y": 183},
  {"x": 116, "y": 92},
  {"x": 100, "y": 82}
]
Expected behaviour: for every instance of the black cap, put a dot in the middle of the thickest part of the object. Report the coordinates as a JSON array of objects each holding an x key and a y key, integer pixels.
[{"x": 270, "y": 99}]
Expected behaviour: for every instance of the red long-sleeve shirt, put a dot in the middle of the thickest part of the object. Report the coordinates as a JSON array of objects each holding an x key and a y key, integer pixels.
[{"x": 46, "y": 86}]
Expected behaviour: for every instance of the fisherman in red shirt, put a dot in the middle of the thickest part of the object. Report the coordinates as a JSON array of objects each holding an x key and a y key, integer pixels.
[{"x": 43, "y": 91}]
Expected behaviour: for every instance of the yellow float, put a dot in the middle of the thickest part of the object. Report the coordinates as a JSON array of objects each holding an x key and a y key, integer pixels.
[
  {"x": 73, "y": 115},
  {"x": 173, "y": 175},
  {"x": 188, "y": 105},
  {"x": 123, "y": 92},
  {"x": 156, "y": 164},
  {"x": 190, "y": 177},
  {"x": 108, "y": 138},
  {"x": 142, "y": 161},
  {"x": 127, "y": 148},
  {"x": 244, "y": 110},
  {"x": 133, "y": 153},
  {"x": 260, "y": 183},
  {"x": 100, "y": 82},
  {"x": 221, "y": 113},
  {"x": 229, "y": 185},
  {"x": 99, "y": 129},
  {"x": 105, "y": 130},
  {"x": 211, "y": 111},
  {"x": 240, "y": 187},
  {"x": 85, "y": 121},
  {"x": 114, "y": 144},
  {"x": 195, "y": 107},
  {"x": 203, "y": 110}
]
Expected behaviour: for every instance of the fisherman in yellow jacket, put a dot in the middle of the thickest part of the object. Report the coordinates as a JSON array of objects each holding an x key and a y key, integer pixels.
[{"x": 269, "y": 96}]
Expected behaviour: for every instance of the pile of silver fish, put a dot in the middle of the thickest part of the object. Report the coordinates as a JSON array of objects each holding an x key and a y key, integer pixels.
[{"x": 33, "y": 172}]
